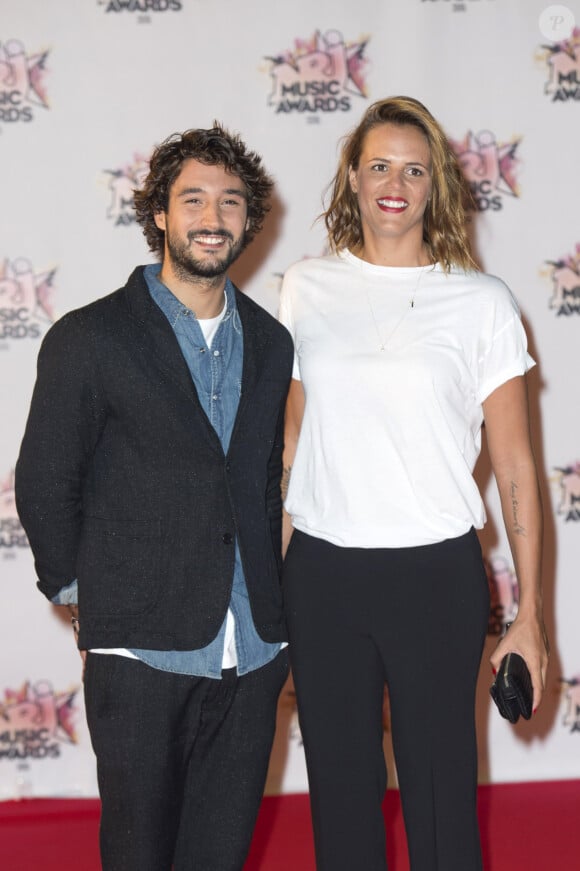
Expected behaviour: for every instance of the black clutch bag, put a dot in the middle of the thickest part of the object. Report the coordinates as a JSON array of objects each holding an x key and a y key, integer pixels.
[{"x": 512, "y": 689}]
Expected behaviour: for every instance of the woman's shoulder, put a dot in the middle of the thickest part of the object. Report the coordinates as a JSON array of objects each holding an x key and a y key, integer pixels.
[
  {"x": 477, "y": 280},
  {"x": 313, "y": 266},
  {"x": 310, "y": 278},
  {"x": 483, "y": 299},
  {"x": 483, "y": 284}
]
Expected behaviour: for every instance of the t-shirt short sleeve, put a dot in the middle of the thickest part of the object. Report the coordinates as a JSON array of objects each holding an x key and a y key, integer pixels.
[{"x": 504, "y": 354}]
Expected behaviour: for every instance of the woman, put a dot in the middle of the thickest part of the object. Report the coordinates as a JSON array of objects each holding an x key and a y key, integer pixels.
[{"x": 403, "y": 350}]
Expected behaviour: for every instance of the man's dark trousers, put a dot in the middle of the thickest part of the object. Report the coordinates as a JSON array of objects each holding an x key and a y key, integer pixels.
[{"x": 201, "y": 790}]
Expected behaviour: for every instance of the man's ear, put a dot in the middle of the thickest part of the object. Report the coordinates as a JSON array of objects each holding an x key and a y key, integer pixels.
[{"x": 159, "y": 218}]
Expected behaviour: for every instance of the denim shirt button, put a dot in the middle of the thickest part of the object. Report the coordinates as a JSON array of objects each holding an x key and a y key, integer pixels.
[{"x": 227, "y": 538}]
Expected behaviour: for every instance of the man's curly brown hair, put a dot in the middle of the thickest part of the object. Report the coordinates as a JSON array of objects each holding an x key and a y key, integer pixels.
[{"x": 213, "y": 147}]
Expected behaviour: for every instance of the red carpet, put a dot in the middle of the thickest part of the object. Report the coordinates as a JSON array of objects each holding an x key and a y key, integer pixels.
[{"x": 525, "y": 827}]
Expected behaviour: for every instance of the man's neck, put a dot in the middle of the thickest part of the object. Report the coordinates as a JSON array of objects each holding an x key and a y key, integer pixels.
[{"x": 204, "y": 296}]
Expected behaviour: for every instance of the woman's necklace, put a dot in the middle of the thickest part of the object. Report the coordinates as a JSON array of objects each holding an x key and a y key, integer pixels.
[{"x": 383, "y": 342}]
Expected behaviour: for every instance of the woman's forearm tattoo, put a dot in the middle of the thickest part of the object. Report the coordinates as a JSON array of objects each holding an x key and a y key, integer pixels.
[
  {"x": 517, "y": 527},
  {"x": 284, "y": 483}
]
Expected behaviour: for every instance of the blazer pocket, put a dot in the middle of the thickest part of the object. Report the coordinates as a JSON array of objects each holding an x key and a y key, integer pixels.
[{"x": 118, "y": 566}]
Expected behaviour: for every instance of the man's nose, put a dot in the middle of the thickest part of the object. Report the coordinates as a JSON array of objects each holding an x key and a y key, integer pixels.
[{"x": 211, "y": 215}]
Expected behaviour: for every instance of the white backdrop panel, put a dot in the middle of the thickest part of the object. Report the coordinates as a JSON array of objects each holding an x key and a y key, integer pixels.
[{"x": 88, "y": 89}]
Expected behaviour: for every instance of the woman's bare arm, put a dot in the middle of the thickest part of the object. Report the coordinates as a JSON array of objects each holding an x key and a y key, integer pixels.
[
  {"x": 510, "y": 449},
  {"x": 292, "y": 425}
]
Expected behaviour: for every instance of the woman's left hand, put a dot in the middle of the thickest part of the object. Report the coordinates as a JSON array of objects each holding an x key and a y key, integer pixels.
[{"x": 526, "y": 636}]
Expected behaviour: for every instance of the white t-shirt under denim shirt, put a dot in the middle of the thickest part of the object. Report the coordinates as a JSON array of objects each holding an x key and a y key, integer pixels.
[{"x": 390, "y": 437}]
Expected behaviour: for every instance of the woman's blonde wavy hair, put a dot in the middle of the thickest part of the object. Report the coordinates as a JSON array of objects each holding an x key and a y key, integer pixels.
[{"x": 444, "y": 223}]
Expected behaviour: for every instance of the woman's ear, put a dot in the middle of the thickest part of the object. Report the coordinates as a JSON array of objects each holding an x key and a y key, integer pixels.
[{"x": 353, "y": 181}]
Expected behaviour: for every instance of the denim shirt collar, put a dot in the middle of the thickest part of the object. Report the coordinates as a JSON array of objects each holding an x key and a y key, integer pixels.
[{"x": 172, "y": 307}]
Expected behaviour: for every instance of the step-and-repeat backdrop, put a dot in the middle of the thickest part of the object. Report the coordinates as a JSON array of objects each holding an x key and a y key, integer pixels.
[{"x": 89, "y": 87}]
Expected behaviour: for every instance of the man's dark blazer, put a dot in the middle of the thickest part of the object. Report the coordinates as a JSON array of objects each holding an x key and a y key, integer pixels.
[{"x": 122, "y": 482}]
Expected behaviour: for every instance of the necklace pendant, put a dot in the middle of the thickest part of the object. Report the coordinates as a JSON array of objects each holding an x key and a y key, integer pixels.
[{"x": 383, "y": 340}]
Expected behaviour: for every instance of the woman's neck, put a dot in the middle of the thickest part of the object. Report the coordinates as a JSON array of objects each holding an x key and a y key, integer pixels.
[{"x": 394, "y": 255}]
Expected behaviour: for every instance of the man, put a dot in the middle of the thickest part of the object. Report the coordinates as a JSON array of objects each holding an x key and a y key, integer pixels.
[{"x": 149, "y": 482}]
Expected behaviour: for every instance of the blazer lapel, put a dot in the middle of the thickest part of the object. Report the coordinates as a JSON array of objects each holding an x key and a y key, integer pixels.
[
  {"x": 159, "y": 343},
  {"x": 255, "y": 344}
]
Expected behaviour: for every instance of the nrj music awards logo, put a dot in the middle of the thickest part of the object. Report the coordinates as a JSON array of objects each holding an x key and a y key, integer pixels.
[
  {"x": 25, "y": 300},
  {"x": 321, "y": 74},
  {"x": 563, "y": 62},
  {"x": 122, "y": 184},
  {"x": 571, "y": 689},
  {"x": 490, "y": 168},
  {"x": 565, "y": 277},
  {"x": 22, "y": 87},
  {"x": 142, "y": 6},
  {"x": 35, "y": 721},
  {"x": 12, "y": 534},
  {"x": 503, "y": 589},
  {"x": 567, "y": 479}
]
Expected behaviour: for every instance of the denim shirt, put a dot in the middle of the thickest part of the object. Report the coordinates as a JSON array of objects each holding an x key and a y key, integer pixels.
[{"x": 217, "y": 375}]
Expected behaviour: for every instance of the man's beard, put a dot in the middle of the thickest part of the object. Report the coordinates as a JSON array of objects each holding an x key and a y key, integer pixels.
[{"x": 186, "y": 266}]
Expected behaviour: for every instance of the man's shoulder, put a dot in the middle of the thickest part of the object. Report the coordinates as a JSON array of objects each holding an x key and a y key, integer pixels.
[{"x": 105, "y": 307}]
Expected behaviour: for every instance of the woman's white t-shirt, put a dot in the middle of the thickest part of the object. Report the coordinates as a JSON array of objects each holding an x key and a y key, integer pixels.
[{"x": 390, "y": 437}]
